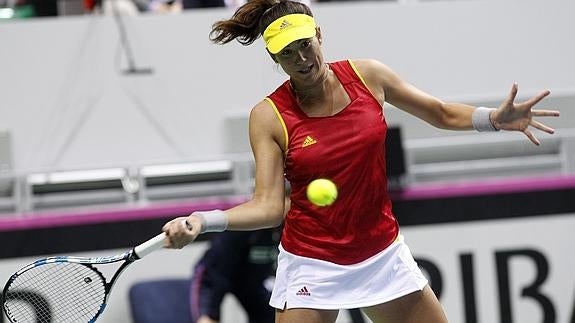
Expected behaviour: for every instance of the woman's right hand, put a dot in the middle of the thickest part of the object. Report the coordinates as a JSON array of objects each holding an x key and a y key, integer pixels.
[{"x": 182, "y": 231}]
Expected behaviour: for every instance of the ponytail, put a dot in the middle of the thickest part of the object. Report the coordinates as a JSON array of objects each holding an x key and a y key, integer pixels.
[{"x": 251, "y": 19}]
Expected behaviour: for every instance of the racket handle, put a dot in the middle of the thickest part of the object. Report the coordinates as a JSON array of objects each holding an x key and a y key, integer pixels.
[
  {"x": 150, "y": 246},
  {"x": 155, "y": 243}
]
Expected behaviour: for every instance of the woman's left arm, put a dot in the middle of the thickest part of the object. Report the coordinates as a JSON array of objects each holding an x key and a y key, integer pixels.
[{"x": 510, "y": 115}]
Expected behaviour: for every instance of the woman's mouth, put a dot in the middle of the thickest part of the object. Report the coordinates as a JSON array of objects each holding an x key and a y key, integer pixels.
[{"x": 306, "y": 70}]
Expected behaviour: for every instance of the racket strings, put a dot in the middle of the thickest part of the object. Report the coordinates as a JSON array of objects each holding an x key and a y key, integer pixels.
[{"x": 56, "y": 292}]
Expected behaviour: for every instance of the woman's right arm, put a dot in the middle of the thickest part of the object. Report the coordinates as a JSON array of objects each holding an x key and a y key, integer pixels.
[{"x": 266, "y": 208}]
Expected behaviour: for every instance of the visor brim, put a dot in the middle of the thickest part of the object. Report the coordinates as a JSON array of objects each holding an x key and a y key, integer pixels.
[{"x": 280, "y": 41}]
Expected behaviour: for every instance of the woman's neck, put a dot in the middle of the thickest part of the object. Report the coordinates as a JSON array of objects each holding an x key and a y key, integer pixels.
[{"x": 317, "y": 89}]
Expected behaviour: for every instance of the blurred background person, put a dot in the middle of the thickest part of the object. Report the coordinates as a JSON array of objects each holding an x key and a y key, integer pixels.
[
  {"x": 123, "y": 7},
  {"x": 193, "y": 4},
  {"x": 240, "y": 263},
  {"x": 165, "y": 6},
  {"x": 14, "y": 9}
]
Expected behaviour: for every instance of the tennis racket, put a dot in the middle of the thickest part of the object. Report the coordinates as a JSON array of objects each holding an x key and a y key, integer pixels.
[{"x": 66, "y": 288}]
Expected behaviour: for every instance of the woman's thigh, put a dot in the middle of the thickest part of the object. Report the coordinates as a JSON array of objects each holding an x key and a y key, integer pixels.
[
  {"x": 306, "y": 315},
  {"x": 421, "y": 306}
]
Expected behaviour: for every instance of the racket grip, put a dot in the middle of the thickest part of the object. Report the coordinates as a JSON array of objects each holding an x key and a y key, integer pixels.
[{"x": 150, "y": 246}]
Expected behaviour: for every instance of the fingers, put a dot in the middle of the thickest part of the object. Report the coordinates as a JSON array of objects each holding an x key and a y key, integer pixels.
[
  {"x": 188, "y": 225},
  {"x": 531, "y": 137},
  {"x": 179, "y": 232},
  {"x": 531, "y": 102},
  {"x": 512, "y": 94},
  {"x": 536, "y": 99},
  {"x": 542, "y": 127},
  {"x": 545, "y": 113},
  {"x": 524, "y": 110},
  {"x": 169, "y": 230}
]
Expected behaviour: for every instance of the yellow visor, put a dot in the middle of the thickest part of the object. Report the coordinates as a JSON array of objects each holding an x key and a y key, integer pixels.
[{"x": 287, "y": 29}]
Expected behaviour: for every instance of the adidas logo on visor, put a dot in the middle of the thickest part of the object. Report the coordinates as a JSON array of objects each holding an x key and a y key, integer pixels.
[{"x": 285, "y": 24}]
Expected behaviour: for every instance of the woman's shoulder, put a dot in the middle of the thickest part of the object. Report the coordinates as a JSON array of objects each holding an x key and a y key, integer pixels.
[
  {"x": 374, "y": 71},
  {"x": 366, "y": 65},
  {"x": 264, "y": 115},
  {"x": 263, "y": 109}
]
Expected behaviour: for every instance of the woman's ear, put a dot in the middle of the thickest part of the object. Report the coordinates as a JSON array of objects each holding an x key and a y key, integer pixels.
[{"x": 318, "y": 34}]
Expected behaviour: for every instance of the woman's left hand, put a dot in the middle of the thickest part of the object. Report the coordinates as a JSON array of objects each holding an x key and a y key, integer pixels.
[{"x": 514, "y": 116}]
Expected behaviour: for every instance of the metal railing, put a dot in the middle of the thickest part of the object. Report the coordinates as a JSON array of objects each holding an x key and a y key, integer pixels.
[
  {"x": 461, "y": 158},
  {"x": 483, "y": 156}
]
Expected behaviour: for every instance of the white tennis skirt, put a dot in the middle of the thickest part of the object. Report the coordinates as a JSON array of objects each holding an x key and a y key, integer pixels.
[{"x": 303, "y": 282}]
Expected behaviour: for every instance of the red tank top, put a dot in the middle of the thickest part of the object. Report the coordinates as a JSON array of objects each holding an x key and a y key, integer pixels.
[{"x": 349, "y": 149}]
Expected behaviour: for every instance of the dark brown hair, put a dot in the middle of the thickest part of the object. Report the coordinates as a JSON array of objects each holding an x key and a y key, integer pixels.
[{"x": 250, "y": 20}]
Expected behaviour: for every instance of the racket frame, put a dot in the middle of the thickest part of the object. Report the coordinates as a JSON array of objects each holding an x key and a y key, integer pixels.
[{"x": 128, "y": 257}]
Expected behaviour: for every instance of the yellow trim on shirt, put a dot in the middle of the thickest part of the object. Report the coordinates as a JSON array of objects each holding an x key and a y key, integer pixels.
[
  {"x": 282, "y": 123},
  {"x": 360, "y": 77}
]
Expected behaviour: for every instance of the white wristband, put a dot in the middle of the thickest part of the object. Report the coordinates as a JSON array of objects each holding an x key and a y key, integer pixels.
[
  {"x": 481, "y": 121},
  {"x": 213, "y": 221}
]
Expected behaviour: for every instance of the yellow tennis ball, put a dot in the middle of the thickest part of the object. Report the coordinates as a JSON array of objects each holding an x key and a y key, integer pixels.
[{"x": 321, "y": 192}]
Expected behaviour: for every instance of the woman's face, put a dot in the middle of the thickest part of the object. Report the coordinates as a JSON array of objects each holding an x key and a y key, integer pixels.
[{"x": 302, "y": 60}]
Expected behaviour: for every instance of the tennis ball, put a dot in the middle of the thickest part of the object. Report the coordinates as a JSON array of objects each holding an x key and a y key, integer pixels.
[{"x": 321, "y": 192}]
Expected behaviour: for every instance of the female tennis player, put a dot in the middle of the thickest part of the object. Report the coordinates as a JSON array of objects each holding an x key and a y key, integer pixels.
[{"x": 327, "y": 121}]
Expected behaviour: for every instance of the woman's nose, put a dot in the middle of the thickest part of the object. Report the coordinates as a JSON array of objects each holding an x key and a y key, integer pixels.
[{"x": 300, "y": 57}]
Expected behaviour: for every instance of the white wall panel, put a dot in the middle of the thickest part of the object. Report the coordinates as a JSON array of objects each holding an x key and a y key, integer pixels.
[{"x": 67, "y": 104}]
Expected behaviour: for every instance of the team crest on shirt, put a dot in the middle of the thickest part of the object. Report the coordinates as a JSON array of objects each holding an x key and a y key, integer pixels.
[
  {"x": 308, "y": 141},
  {"x": 303, "y": 292}
]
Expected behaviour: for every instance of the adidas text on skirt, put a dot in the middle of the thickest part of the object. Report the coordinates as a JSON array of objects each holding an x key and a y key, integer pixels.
[{"x": 303, "y": 282}]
